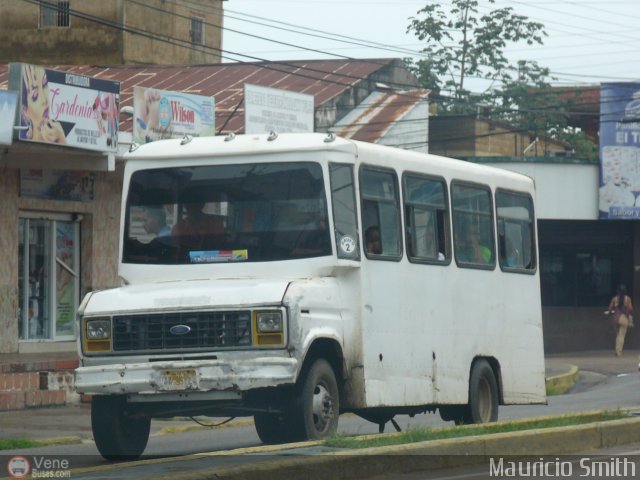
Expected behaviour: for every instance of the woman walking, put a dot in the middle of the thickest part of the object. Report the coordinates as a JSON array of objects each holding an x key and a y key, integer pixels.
[{"x": 621, "y": 309}]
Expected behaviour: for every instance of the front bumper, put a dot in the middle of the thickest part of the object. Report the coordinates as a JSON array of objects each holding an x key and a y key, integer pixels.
[{"x": 186, "y": 376}]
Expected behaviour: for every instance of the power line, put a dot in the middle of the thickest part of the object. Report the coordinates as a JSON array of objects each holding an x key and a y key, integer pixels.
[{"x": 184, "y": 44}]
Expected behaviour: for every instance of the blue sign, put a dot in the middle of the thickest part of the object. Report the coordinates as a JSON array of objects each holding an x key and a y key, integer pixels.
[
  {"x": 8, "y": 102},
  {"x": 620, "y": 150}
]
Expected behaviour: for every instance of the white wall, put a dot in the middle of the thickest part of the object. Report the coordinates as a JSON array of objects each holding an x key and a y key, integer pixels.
[{"x": 563, "y": 191}]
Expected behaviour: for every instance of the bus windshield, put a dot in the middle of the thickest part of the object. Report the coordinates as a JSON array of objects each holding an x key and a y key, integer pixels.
[{"x": 252, "y": 212}]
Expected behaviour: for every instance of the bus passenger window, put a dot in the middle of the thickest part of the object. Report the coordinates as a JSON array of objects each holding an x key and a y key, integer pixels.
[
  {"x": 516, "y": 240},
  {"x": 426, "y": 219},
  {"x": 372, "y": 242},
  {"x": 473, "y": 235},
  {"x": 380, "y": 209}
]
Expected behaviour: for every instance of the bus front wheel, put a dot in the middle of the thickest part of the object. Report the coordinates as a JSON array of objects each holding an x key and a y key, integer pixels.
[
  {"x": 317, "y": 403},
  {"x": 483, "y": 394},
  {"x": 117, "y": 435}
]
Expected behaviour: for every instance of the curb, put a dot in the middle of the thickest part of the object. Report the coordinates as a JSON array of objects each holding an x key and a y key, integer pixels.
[
  {"x": 426, "y": 456},
  {"x": 560, "y": 384},
  {"x": 56, "y": 441}
]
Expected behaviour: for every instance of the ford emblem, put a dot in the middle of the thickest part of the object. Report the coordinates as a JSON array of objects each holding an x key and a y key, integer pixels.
[{"x": 180, "y": 329}]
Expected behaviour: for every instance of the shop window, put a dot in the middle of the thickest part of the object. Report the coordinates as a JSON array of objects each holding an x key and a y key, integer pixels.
[
  {"x": 48, "y": 278},
  {"x": 571, "y": 278},
  {"x": 54, "y": 14}
]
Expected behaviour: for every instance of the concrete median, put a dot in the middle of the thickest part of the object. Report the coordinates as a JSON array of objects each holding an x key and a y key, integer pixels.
[{"x": 427, "y": 456}]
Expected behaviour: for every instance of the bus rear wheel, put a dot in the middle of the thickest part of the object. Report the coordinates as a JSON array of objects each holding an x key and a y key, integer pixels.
[
  {"x": 117, "y": 435},
  {"x": 316, "y": 407},
  {"x": 483, "y": 394}
]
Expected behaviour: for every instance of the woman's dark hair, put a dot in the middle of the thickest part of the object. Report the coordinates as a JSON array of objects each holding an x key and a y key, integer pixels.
[{"x": 622, "y": 291}]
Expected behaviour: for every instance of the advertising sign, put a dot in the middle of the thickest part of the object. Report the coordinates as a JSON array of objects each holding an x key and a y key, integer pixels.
[
  {"x": 65, "y": 280},
  {"x": 270, "y": 109},
  {"x": 620, "y": 150},
  {"x": 8, "y": 102},
  {"x": 159, "y": 114},
  {"x": 66, "y": 109}
]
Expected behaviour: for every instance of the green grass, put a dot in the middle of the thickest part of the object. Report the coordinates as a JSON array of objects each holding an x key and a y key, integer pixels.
[
  {"x": 16, "y": 443},
  {"x": 551, "y": 391},
  {"x": 413, "y": 435}
]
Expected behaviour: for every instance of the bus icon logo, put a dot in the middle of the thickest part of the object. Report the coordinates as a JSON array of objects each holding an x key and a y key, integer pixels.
[{"x": 18, "y": 467}]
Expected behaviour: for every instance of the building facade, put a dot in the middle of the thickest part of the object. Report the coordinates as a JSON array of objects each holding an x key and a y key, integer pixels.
[{"x": 79, "y": 32}]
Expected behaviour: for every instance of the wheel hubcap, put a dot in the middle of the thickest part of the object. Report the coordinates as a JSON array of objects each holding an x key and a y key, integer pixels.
[
  {"x": 322, "y": 408},
  {"x": 484, "y": 401}
]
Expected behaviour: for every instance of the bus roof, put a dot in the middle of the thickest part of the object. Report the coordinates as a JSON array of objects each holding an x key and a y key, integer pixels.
[{"x": 239, "y": 145}]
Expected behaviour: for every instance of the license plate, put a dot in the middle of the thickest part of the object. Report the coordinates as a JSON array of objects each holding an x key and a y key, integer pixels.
[{"x": 178, "y": 380}]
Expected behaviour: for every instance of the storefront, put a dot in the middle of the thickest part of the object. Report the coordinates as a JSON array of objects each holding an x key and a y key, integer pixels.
[{"x": 59, "y": 211}]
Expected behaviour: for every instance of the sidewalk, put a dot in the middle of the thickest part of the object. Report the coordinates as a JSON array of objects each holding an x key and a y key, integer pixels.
[{"x": 74, "y": 421}]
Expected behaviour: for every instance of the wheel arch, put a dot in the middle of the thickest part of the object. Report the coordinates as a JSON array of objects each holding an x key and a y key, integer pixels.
[
  {"x": 329, "y": 349},
  {"x": 497, "y": 373}
]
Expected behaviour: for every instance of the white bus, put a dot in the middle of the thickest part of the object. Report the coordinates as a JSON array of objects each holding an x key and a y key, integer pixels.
[{"x": 300, "y": 276}]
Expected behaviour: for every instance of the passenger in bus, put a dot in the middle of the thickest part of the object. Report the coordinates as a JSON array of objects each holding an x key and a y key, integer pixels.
[
  {"x": 197, "y": 223},
  {"x": 155, "y": 222},
  {"x": 472, "y": 250},
  {"x": 372, "y": 241}
]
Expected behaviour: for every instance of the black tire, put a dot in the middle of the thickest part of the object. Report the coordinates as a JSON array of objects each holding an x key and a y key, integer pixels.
[
  {"x": 483, "y": 395},
  {"x": 483, "y": 398},
  {"x": 272, "y": 428},
  {"x": 117, "y": 435},
  {"x": 316, "y": 406}
]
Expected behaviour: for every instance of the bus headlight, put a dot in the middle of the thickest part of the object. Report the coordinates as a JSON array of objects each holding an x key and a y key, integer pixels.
[
  {"x": 97, "y": 334},
  {"x": 268, "y": 328},
  {"x": 269, "y": 322},
  {"x": 98, "y": 329}
]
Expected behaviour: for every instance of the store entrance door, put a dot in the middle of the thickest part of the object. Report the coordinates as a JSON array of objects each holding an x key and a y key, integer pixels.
[{"x": 49, "y": 282}]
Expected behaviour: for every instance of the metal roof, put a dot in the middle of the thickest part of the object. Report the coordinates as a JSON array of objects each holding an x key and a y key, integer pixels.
[
  {"x": 370, "y": 121},
  {"x": 324, "y": 79}
]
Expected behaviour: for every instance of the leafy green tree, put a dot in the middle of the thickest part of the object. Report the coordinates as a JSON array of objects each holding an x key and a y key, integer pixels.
[
  {"x": 463, "y": 43},
  {"x": 530, "y": 103}
]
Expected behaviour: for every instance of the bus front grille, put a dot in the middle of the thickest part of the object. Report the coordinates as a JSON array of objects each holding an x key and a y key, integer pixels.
[{"x": 180, "y": 331}]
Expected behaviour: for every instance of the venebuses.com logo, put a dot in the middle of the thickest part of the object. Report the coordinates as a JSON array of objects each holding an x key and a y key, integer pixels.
[
  {"x": 38, "y": 467},
  {"x": 18, "y": 467}
]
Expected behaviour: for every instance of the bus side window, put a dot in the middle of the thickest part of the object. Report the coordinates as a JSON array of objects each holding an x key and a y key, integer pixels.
[
  {"x": 345, "y": 219},
  {"x": 380, "y": 213},
  {"x": 426, "y": 219},
  {"x": 516, "y": 240},
  {"x": 473, "y": 229}
]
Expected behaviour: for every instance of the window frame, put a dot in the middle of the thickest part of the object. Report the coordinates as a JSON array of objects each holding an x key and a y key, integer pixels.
[
  {"x": 336, "y": 233},
  {"x": 196, "y": 35},
  {"x": 462, "y": 263},
  {"x": 399, "y": 214},
  {"x": 533, "y": 239},
  {"x": 447, "y": 220},
  {"x": 55, "y": 14}
]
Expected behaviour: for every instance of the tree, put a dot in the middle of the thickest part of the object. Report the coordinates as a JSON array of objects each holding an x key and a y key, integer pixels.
[
  {"x": 530, "y": 103},
  {"x": 462, "y": 43},
  {"x": 479, "y": 41}
]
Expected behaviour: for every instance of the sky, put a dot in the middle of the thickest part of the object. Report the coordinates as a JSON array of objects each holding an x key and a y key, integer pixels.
[{"x": 588, "y": 42}]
